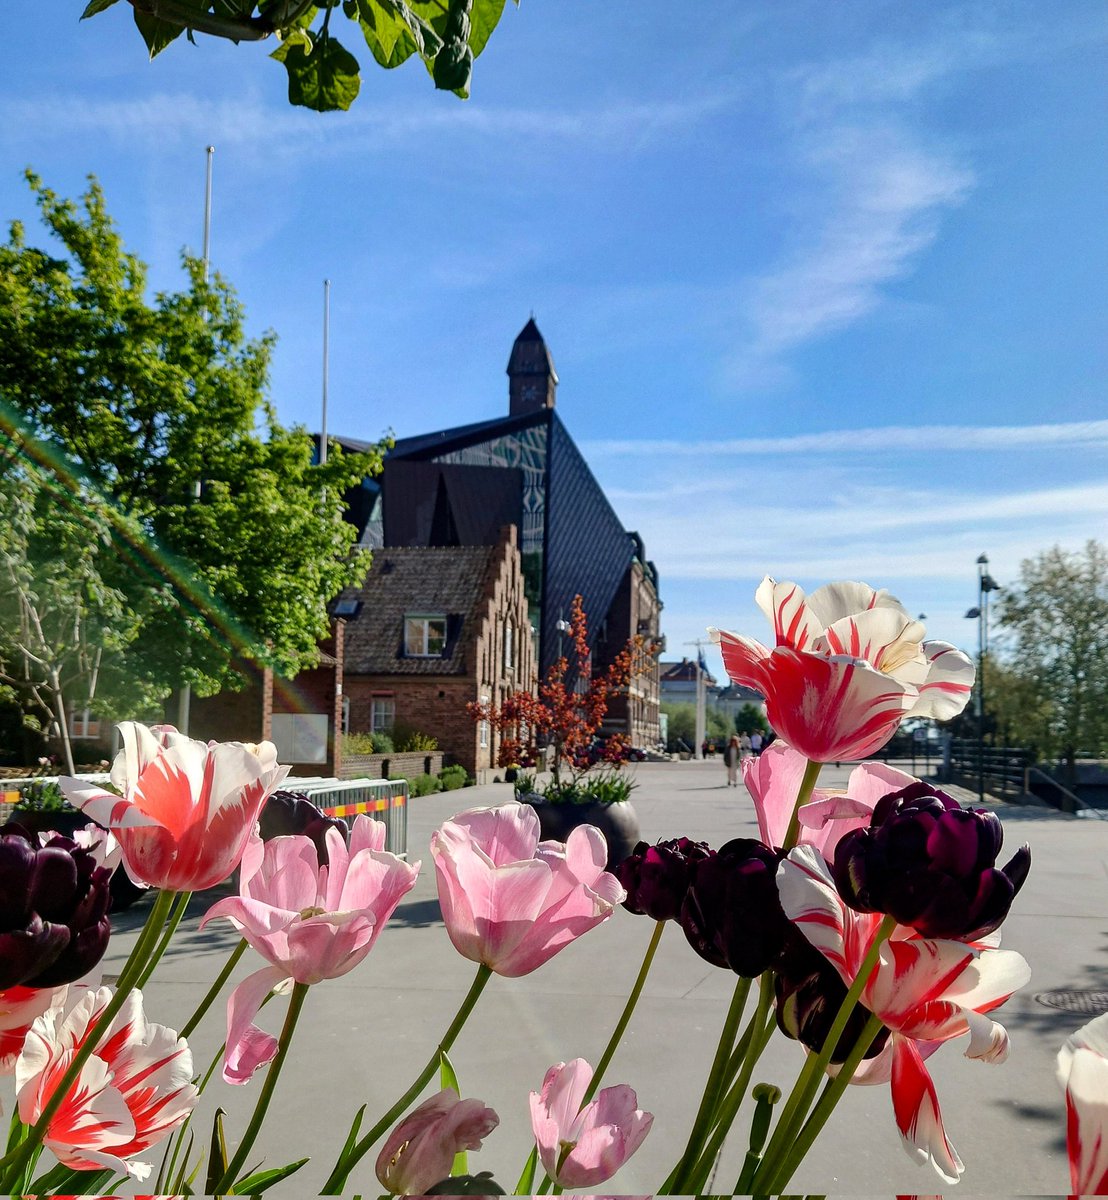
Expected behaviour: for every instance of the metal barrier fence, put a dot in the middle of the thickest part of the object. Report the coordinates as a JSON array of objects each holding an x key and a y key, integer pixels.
[
  {"x": 383, "y": 799},
  {"x": 1002, "y": 769}
]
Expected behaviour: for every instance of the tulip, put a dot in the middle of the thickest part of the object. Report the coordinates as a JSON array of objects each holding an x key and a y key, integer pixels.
[
  {"x": 657, "y": 877},
  {"x": 133, "y": 1091},
  {"x": 849, "y": 664},
  {"x": 579, "y": 1147},
  {"x": 1083, "y": 1076},
  {"x": 924, "y": 991},
  {"x": 310, "y": 922},
  {"x": 931, "y": 864},
  {"x": 773, "y": 780},
  {"x": 19, "y": 1006},
  {"x": 731, "y": 914},
  {"x": 420, "y": 1151},
  {"x": 186, "y": 808},
  {"x": 809, "y": 993},
  {"x": 53, "y": 910},
  {"x": 287, "y": 813},
  {"x": 511, "y": 902}
]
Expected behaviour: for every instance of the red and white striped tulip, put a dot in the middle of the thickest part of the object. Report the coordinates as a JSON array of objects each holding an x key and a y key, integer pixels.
[
  {"x": 1083, "y": 1075},
  {"x": 924, "y": 990},
  {"x": 133, "y": 1091},
  {"x": 186, "y": 807},
  {"x": 848, "y": 665}
]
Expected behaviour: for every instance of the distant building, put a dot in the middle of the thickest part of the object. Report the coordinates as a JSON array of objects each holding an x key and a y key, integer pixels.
[
  {"x": 677, "y": 683},
  {"x": 457, "y": 488},
  {"x": 431, "y": 629}
]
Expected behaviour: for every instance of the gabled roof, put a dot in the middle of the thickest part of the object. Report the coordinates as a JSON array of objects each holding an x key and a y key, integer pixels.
[
  {"x": 444, "y": 581},
  {"x": 682, "y": 672},
  {"x": 442, "y": 441}
]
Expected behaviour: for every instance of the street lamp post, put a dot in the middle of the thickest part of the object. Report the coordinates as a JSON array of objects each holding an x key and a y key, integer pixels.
[{"x": 985, "y": 584}]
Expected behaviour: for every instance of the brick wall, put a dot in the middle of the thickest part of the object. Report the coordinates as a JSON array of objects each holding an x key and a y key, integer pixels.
[{"x": 386, "y": 766}]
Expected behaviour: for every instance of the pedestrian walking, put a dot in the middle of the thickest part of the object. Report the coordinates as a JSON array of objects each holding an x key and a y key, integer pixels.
[
  {"x": 756, "y": 742},
  {"x": 744, "y": 745},
  {"x": 731, "y": 756}
]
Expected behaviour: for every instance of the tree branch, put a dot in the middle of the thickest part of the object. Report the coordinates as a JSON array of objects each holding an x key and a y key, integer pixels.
[{"x": 236, "y": 29}]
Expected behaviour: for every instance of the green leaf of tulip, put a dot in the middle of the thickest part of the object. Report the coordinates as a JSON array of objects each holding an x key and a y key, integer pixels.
[{"x": 254, "y": 1185}]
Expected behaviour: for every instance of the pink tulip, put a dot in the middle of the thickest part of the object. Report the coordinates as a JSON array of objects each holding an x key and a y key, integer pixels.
[
  {"x": 925, "y": 991},
  {"x": 512, "y": 902},
  {"x": 1083, "y": 1075},
  {"x": 773, "y": 781},
  {"x": 849, "y": 664},
  {"x": 133, "y": 1091},
  {"x": 420, "y": 1151},
  {"x": 311, "y": 922},
  {"x": 187, "y": 808},
  {"x": 599, "y": 1138}
]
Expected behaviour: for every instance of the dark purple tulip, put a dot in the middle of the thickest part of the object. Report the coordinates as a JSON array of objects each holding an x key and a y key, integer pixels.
[
  {"x": 931, "y": 864},
  {"x": 53, "y": 910},
  {"x": 288, "y": 813},
  {"x": 656, "y": 878},
  {"x": 732, "y": 916},
  {"x": 809, "y": 994}
]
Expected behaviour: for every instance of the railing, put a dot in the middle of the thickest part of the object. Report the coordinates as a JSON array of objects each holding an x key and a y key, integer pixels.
[
  {"x": 1047, "y": 788},
  {"x": 383, "y": 799},
  {"x": 1001, "y": 769}
]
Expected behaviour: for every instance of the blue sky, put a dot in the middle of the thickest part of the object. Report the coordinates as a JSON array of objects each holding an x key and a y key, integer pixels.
[{"x": 824, "y": 284}]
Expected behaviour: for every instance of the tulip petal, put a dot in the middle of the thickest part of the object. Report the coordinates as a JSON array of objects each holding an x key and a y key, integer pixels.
[
  {"x": 249, "y": 1047},
  {"x": 887, "y": 638},
  {"x": 949, "y": 682},
  {"x": 831, "y": 708},
  {"x": 744, "y": 659},
  {"x": 506, "y": 834},
  {"x": 794, "y": 624},
  {"x": 773, "y": 780},
  {"x": 833, "y": 601},
  {"x": 1083, "y": 1073},
  {"x": 916, "y": 1107}
]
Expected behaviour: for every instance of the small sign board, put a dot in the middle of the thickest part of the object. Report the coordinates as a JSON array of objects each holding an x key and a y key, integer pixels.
[{"x": 300, "y": 737}]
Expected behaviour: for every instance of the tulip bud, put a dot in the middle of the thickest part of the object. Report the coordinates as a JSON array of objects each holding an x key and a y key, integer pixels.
[
  {"x": 931, "y": 864},
  {"x": 53, "y": 910},
  {"x": 732, "y": 915},
  {"x": 657, "y": 877},
  {"x": 419, "y": 1152},
  {"x": 289, "y": 813}
]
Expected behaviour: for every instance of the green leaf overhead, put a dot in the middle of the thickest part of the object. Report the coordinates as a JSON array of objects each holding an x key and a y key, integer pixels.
[
  {"x": 156, "y": 33},
  {"x": 324, "y": 78},
  {"x": 96, "y": 6}
]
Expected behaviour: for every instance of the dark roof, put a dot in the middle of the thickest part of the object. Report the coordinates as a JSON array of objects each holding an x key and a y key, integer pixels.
[
  {"x": 682, "y": 672},
  {"x": 442, "y": 441},
  {"x": 418, "y": 580},
  {"x": 530, "y": 354}
]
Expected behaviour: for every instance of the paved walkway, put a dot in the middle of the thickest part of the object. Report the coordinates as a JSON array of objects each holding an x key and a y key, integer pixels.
[{"x": 363, "y": 1037}]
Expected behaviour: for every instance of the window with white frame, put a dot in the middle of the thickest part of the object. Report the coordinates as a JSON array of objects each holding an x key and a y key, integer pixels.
[
  {"x": 509, "y": 646},
  {"x": 83, "y": 725},
  {"x": 382, "y": 713},
  {"x": 424, "y": 636},
  {"x": 483, "y": 728},
  {"x": 346, "y": 714}
]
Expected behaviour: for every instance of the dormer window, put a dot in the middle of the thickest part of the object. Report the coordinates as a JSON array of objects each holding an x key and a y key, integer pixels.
[{"x": 424, "y": 636}]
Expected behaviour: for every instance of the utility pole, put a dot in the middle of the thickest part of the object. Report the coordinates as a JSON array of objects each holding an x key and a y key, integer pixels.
[
  {"x": 701, "y": 696},
  {"x": 326, "y": 342},
  {"x": 184, "y": 697}
]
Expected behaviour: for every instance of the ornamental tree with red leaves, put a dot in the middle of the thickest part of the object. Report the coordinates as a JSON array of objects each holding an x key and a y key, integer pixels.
[{"x": 567, "y": 709}]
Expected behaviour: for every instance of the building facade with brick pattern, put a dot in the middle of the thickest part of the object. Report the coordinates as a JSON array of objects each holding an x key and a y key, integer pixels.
[{"x": 435, "y": 628}]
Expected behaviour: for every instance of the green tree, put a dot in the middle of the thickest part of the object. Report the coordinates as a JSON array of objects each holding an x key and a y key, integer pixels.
[
  {"x": 751, "y": 717},
  {"x": 1054, "y": 651},
  {"x": 322, "y": 73},
  {"x": 682, "y": 726},
  {"x": 227, "y": 541}
]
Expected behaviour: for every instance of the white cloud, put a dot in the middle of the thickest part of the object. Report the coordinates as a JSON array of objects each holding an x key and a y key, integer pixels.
[{"x": 1077, "y": 435}]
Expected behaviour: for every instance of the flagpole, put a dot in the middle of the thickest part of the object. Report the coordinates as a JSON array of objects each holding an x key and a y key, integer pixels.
[
  {"x": 701, "y": 735},
  {"x": 326, "y": 365}
]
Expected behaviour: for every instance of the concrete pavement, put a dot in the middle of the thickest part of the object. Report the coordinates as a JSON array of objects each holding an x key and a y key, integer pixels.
[{"x": 363, "y": 1038}]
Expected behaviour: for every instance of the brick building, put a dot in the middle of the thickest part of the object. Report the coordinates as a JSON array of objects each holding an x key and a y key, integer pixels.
[
  {"x": 458, "y": 487},
  {"x": 432, "y": 628}
]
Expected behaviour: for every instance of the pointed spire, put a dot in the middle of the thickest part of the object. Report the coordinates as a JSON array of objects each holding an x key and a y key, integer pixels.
[{"x": 532, "y": 380}]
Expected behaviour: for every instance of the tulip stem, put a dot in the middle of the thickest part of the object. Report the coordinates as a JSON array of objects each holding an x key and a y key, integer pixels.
[
  {"x": 215, "y": 989},
  {"x": 296, "y": 1003},
  {"x": 807, "y": 786},
  {"x": 625, "y": 1016},
  {"x": 702, "y": 1123},
  {"x": 180, "y": 904},
  {"x": 832, "y": 1090},
  {"x": 757, "y": 1036},
  {"x": 337, "y": 1179},
  {"x": 17, "y": 1161},
  {"x": 804, "y": 1090}
]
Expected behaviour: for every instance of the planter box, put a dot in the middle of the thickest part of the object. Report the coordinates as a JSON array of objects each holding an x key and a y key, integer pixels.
[{"x": 381, "y": 766}]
